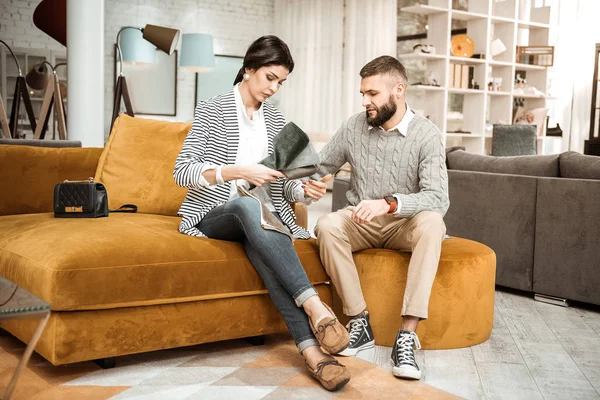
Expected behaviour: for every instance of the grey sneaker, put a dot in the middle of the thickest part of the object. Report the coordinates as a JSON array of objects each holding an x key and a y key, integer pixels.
[
  {"x": 403, "y": 355},
  {"x": 361, "y": 335}
]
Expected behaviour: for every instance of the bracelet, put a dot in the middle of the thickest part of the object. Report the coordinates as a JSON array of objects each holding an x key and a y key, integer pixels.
[{"x": 219, "y": 176}]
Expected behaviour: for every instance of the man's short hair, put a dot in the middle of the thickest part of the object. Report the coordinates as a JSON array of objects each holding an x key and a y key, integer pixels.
[{"x": 384, "y": 65}]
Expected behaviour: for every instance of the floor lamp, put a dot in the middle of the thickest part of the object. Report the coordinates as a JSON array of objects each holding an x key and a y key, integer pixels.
[
  {"x": 19, "y": 93},
  {"x": 163, "y": 38},
  {"x": 4, "y": 121},
  {"x": 39, "y": 78}
]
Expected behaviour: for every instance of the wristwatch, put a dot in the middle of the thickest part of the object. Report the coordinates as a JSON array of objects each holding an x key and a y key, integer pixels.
[{"x": 391, "y": 200}]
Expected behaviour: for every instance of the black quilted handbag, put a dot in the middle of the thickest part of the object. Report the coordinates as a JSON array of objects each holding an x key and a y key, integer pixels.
[{"x": 83, "y": 199}]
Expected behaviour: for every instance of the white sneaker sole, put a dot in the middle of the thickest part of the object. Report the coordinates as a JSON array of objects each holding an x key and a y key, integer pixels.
[
  {"x": 406, "y": 372},
  {"x": 349, "y": 352}
]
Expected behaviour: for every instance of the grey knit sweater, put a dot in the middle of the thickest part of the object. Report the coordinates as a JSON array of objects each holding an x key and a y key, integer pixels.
[{"x": 387, "y": 163}]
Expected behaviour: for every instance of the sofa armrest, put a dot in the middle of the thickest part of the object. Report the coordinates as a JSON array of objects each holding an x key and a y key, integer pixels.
[
  {"x": 301, "y": 212},
  {"x": 566, "y": 239},
  {"x": 28, "y": 175},
  {"x": 498, "y": 210}
]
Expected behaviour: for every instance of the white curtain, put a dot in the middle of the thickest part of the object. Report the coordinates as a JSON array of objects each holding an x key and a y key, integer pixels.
[
  {"x": 582, "y": 69},
  {"x": 313, "y": 30},
  {"x": 572, "y": 73},
  {"x": 369, "y": 32}
]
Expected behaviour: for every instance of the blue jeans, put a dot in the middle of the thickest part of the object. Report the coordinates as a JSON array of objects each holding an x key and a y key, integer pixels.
[{"x": 239, "y": 220}]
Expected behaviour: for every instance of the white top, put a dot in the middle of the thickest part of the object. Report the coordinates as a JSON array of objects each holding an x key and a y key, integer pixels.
[{"x": 254, "y": 145}]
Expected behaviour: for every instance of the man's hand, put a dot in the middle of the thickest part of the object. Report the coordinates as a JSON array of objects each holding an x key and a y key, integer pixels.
[
  {"x": 316, "y": 189},
  {"x": 366, "y": 210}
]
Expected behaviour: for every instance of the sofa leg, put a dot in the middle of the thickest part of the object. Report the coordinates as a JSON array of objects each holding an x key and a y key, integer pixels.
[
  {"x": 256, "y": 340},
  {"x": 557, "y": 301},
  {"x": 106, "y": 363}
]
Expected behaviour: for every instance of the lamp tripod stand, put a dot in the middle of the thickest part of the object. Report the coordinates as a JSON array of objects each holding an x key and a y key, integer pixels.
[
  {"x": 20, "y": 93},
  {"x": 52, "y": 97},
  {"x": 4, "y": 121},
  {"x": 121, "y": 91}
]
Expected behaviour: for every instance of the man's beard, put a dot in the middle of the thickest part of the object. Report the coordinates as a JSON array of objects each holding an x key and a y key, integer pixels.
[{"x": 383, "y": 113}]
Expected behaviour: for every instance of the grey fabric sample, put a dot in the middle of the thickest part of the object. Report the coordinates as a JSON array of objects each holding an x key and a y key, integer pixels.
[
  {"x": 497, "y": 210},
  {"x": 293, "y": 153},
  {"x": 514, "y": 140},
  {"x": 567, "y": 239},
  {"x": 518, "y": 165},
  {"x": 579, "y": 166},
  {"x": 42, "y": 143},
  {"x": 268, "y": 220}
]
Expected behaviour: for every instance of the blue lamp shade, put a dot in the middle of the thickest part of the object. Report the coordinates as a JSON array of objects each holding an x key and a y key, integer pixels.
[
  {"x": 135, "y": 49},
  {"x": 197, "y": 52}
]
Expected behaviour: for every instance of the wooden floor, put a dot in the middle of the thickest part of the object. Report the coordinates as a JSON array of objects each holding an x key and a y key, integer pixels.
[{"x": 536, "y": 351}]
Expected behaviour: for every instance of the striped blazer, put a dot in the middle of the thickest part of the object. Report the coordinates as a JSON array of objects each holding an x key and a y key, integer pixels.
[{"x": 214, "y": 139}]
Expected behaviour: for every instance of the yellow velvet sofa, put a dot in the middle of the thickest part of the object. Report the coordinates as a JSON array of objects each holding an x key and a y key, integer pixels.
[{"x": 128, "y": 283}]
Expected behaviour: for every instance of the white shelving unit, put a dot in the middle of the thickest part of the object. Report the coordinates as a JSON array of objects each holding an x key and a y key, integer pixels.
[{"x": 486, "y": 20}]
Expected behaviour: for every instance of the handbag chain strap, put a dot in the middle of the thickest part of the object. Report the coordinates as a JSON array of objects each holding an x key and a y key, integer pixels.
[{"x": 88, "y": 180}]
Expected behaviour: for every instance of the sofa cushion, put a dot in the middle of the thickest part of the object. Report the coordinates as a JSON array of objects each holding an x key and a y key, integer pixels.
[
  {"x": 579, "y": 166},
  {"x": 517, "y": 165},
  {"x": 137, "y": 164},
  {"x": 28, "y": 175},
  {"x": 127, "y": 260}
]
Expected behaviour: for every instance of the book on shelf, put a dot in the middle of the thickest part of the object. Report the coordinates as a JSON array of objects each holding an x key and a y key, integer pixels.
[
  {"x": 536, "y": 55},
  {"x": 456, "y": 81},
  {"x": 464, "y": 77},
  {"x": 460, "y": 76}
]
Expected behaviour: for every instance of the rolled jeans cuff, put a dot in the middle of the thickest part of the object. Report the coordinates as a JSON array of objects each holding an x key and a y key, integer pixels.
[
  {"x": 304, "y": 294},
  {"x": 303, "y": 345}
]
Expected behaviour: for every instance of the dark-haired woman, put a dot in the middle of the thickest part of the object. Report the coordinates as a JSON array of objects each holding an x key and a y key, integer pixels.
[{"x": 231, "y": 133}]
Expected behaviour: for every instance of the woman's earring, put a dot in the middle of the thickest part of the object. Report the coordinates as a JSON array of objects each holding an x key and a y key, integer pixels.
[{"x": 246, "y": 76}]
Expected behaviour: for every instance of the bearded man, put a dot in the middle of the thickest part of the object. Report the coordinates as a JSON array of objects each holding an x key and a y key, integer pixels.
[{"x": 397, "y": 199}]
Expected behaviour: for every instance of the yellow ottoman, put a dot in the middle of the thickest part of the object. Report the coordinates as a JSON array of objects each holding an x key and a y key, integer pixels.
[{"x": 461, "y": 307}]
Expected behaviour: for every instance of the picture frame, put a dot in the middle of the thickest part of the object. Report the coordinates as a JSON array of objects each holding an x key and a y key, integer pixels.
[{"x": 158, "y": 98}]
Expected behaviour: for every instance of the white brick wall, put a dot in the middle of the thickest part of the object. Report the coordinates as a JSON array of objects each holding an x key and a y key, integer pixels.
[{"x": 234, "y": 24}]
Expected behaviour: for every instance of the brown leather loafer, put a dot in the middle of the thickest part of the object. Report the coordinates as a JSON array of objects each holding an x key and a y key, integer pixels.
[
  {"x": 331, "y": 334},
  {"x": 330, "y": 373}
]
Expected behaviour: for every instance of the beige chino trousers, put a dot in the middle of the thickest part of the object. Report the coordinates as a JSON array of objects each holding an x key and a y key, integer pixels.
[{"x": 338, "y": 237}]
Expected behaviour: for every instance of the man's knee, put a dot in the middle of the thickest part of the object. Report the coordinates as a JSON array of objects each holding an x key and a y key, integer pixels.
[
  {"x": 327, "y": 225},
  {"x": 429, "y": 224}
]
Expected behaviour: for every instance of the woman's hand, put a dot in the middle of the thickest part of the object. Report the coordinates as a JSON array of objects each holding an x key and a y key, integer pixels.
[
  {"x": 316, "y": 189},
  {"x": 258, "y": 174}
]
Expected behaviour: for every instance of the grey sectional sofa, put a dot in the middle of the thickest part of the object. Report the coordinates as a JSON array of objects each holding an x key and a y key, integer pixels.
[{"x": 540, "y": 214}]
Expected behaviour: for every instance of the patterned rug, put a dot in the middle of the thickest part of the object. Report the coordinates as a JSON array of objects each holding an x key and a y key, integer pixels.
[{"x": 226, "y": 370}]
